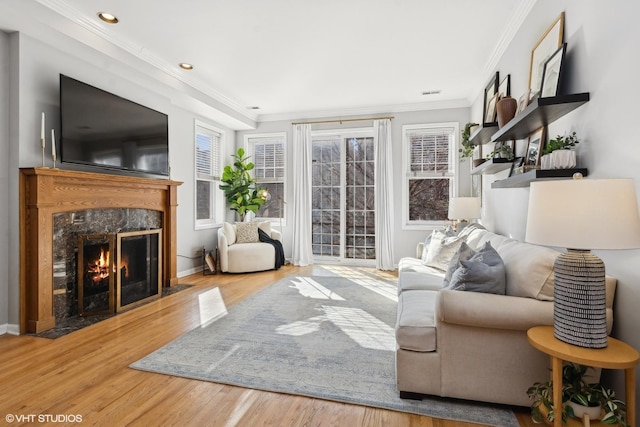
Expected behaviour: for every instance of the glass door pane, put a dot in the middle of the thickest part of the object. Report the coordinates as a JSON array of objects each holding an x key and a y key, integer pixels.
[
  {"x": 326, "y": 193},
  {"x": 359, "y": 203}
]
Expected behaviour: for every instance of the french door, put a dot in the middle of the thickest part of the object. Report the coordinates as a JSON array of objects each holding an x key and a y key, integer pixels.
[{"x": 343, "y": 222}]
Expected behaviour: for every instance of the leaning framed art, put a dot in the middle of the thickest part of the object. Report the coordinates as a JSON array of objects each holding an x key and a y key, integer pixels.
[
  {"x": 548, "y": 44},
  {"x": 534, "y": 148},
  {"x": 552, "y": 73}
]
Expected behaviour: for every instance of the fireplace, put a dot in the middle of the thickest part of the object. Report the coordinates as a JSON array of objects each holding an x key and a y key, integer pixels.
[
  {"x": 57, "y": 203},
  {"x": 118, "y": 271}
]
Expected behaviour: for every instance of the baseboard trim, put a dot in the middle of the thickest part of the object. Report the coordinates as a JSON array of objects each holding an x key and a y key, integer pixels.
[{"x": 9, "y": 329}]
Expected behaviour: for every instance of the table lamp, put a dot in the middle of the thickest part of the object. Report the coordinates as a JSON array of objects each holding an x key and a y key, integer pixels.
[
  {"x": 462, "y": 209},
  {"x": 580, "y": 215}
]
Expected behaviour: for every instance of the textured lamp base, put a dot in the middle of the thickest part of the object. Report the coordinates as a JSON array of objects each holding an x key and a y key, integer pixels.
[{"x": 579, "y": 310}]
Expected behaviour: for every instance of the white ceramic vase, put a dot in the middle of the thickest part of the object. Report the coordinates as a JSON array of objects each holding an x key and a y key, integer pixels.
[
  {"x": 580, "y": 411},
  {"x": 559, "y": 159}
]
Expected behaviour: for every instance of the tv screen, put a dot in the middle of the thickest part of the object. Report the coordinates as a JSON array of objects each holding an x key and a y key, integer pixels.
[{"x": 104, "y": 130}]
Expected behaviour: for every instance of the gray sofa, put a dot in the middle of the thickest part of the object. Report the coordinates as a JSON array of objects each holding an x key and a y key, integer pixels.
[{"x": 473, "y": 345}]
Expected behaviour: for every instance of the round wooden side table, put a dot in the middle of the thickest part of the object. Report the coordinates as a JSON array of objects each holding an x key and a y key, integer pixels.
[{"x": 617, "y": 355}]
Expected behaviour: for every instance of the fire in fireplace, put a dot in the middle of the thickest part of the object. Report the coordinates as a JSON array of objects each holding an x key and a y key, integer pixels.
[{"x": 118, "y": 271}]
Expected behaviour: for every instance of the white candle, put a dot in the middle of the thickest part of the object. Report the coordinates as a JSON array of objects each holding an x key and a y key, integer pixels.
[
  {"x": 42, "y": 130},
  {"x": 53, "y": 145}
]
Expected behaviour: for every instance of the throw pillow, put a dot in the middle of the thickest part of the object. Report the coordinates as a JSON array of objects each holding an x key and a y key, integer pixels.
[
  {"x": 447, "y": 231},
  {"x": 230, "y": 232},
  {"x": 247, "y": 232},
  {"x": 464, "y": 253},
  {"x": 442, "y": 248},
  {"x": 483, "y": 272}
]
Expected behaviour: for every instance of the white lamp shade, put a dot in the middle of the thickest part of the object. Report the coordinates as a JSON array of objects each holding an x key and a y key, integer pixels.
[
  {"x": 584, "y": 214},
  {"x": 464, "y": 208}
]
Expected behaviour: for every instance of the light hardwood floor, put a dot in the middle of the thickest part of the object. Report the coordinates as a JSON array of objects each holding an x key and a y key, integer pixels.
[{"x": 86, "y": 374}]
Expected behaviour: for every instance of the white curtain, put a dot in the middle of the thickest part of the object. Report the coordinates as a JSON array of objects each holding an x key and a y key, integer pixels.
[
  {"x": 383, "y": 194},
  {"x": 301, "y": 149}
]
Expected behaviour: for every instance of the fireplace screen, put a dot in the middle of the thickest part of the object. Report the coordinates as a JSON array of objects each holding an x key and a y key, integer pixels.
[{"x": 118, "y": 271}]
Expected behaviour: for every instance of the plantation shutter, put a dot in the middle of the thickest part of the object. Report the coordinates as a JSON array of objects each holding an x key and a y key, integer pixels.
[{"x": 429, "y": 151}]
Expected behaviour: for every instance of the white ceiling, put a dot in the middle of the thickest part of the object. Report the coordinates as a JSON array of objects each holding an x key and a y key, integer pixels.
[{"x": 306, "y": 58}]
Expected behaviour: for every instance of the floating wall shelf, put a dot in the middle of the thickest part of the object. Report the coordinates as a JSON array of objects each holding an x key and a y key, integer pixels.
[
  {"x": 525, "y": 179},
  {"x": 491, "y": 166}
]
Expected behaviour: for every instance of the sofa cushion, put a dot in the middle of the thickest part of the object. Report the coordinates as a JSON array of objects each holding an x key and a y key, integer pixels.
[
  {"x": 247, "y": 232},
  {"x": 265, "y": 226},
  {"x": 529, "y": 269},
  {"x": 483, "y": 272},
  {"x": 413, "y": 274},
  {"x": 229, "y": 232},
  {"x": 442, "y": 248},
  {"x": 415, "y": 324}
]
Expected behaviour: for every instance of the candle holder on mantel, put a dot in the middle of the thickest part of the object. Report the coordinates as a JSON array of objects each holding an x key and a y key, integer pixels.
[{"x": 42, "y": 144}]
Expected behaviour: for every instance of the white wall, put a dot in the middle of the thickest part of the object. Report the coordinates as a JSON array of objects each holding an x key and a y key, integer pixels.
[
  {"x": 4, "y": 186},
  {"x": 404, "y": 240},
  {"x": 603, "y": 59},
  {"x": 35, "y": 67}
]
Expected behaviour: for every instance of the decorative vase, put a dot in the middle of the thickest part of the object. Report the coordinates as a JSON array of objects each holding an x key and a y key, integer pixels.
[
  {"x": 506, "y": 109},
  {"x": 579, "y": 411},
  {"x": 559, "y": 159}
]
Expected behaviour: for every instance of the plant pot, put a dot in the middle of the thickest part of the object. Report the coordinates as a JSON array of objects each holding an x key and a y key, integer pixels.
[
  {"x": 506, "y": 109},
  {"x": 559, "y": 159},
  {"x": 579, "y": 411}
]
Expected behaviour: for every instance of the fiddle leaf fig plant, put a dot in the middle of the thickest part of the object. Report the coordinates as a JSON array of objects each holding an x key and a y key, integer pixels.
[{"x": 240, "y": 189}]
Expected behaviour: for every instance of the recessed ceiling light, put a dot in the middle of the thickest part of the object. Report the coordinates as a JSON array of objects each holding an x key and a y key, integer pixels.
[
  {"x": 431, "y": 92},
  {"x": 108, "y": 18},
  {"x": 185, "y": 66}
]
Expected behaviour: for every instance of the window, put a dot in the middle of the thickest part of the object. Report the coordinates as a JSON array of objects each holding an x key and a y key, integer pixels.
[
  {"x": 208, "y": 199},
  {"x": 268, "y": 156},
  {"x": 429, "y": 162}
]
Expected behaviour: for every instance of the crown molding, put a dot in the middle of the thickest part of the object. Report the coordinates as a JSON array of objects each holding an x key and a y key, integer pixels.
[{"x": 378, "y": 109}]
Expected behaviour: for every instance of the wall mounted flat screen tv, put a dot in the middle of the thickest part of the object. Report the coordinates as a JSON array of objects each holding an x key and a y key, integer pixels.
[{"x": 104, "y": 130}]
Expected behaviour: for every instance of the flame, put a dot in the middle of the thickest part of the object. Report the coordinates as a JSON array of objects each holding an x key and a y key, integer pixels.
[
  {"x": 124, "y": 266},
  {"x": 99, "y": 269}
]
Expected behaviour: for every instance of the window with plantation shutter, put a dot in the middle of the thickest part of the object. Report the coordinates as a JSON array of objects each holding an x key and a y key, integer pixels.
[
  {"x": 429, "y": 164},
  {"x": 208, "y": 205},
  {"x": 268, "y": 154}
]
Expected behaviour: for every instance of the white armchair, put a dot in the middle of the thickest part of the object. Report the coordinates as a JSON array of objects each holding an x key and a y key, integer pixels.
[{"x": 240, "y": 250}]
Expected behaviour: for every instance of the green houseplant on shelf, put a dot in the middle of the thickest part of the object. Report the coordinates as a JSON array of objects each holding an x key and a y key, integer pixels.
[
  {"x": 577, "y": 393},
  {"x": 558, "y": 153},
  {"x": 240, "y": 189},
  {"x": 466, "y": 147}
]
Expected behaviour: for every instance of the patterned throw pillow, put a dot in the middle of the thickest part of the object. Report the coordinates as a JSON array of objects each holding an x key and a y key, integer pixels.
[
  {"x": 483, "y": 272},
  {"x": 442, "y": 249},
  {"x": 247, "y": 232}
]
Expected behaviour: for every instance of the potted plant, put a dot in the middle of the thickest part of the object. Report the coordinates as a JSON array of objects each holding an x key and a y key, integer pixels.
[
  {"x": 578, "y": 397},
  {"x": 466, "y": 149},
  {"x": 501, "y": 151},
  {"x": 558, "y": 153},
  {"x": 240, "y": 189}
]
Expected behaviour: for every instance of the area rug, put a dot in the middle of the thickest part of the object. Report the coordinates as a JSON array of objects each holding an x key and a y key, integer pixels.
[
  {"x": 325, "y": 336},
  {"x": 75, "y": 323}
]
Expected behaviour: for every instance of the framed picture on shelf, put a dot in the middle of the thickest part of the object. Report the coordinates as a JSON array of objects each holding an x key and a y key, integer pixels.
[
  {"x": 550, "y": 41},
  {"x": 523, "y": 101},
  {"x": 534, "y": 148},
  {"x": 490, "y": 112},
  {"x": 490, "y": 91},
  {"x": 516, "y": 166},
  {"x": 552, "y": 73},
  {"x": 504, "y": 88}
]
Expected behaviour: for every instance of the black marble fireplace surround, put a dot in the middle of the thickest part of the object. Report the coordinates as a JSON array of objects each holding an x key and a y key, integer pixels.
[{"x": 67, "y": 226}]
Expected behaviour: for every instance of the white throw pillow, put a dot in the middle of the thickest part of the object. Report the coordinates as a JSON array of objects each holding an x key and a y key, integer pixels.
[
  {"x": 229, "y": 232},
  {"x": 265, "y": 226},
  {"x": 441, "y": 250}
]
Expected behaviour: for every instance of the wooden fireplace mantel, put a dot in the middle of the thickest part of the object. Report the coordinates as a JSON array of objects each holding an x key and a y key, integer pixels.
[{"x": 45, "y": 192}]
